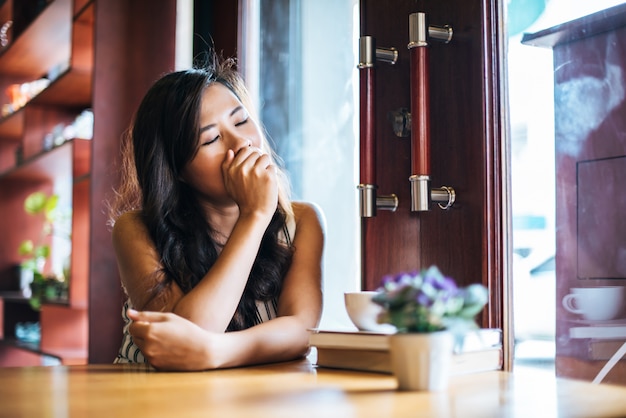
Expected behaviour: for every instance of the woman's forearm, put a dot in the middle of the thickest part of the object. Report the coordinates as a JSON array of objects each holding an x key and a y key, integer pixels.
[
  {"x": 212, "y": 303},
  {"x": 281, "y": 339}
]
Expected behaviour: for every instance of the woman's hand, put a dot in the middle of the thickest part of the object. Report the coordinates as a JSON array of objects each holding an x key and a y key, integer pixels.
[
  {"x": 250, "y": 179},
  {"x": 171, "y": 342}
]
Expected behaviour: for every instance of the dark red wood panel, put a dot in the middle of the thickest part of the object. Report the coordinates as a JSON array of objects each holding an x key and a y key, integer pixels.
[
  {"x": 132, "y": 49},
  {"x": 467, "y": 242}
]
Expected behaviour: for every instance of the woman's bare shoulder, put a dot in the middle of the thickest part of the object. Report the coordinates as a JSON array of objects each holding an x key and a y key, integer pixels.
[
  {"x": 129, "y": 224},
  {"x": 130, "y": 216},
  {"x": 308, "y": 213}
]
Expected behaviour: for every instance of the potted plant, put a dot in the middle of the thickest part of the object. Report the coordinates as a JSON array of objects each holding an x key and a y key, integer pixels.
[
  {"x": 430, "y": 313},
  {"x": 40, "y": 284}
]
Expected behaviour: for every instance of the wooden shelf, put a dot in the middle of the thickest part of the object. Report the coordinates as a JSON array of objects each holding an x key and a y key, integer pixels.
[
  {"x": 12, "y": 125},
  {"x": 58, "y": 339},
  {"x": 83, "y": 39},
  {"x": 24, "y": 345},
  {"x": 13, "y": 296},
  {"x": 67, "y": 357},
  {"x": 72, "y": 88},
  {"x": 18, "y": 297},
  {"x": 69, "y": 160},
  {"x": 58, "y": 44},
  {"x": 51, "y": 35}
]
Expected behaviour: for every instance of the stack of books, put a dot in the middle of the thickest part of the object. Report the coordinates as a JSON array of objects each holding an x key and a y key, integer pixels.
[{"x": 369, "y": 351}]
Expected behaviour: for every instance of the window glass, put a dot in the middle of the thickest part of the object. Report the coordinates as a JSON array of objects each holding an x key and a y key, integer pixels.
[
  {"x": 531, "y": 100},
  {"x": 299, "y": 60}
]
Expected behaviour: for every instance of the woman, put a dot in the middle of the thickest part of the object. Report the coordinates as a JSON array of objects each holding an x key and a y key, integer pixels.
[{"x": 220, "y": 268}]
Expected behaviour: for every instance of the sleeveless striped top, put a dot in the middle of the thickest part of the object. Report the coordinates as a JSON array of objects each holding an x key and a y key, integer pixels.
[{"x": 265, "y": 310}]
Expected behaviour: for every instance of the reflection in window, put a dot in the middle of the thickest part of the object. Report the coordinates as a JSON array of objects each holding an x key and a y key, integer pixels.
[{"x": 531, "y": 99}]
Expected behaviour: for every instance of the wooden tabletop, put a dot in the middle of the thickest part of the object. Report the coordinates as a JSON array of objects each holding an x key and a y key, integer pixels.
[{"x": 295, "y": 389}]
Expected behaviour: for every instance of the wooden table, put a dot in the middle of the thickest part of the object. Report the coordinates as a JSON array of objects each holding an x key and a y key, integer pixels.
[{"x": 295, "y": 389}]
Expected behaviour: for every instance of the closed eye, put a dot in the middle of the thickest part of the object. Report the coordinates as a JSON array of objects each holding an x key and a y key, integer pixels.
[
  {"x": 211, "y": 141},
  {"x": 243, "y": 122}
]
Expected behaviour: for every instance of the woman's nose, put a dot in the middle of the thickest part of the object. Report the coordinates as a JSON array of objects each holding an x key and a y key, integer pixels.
[{"x": 238, "y": 142}]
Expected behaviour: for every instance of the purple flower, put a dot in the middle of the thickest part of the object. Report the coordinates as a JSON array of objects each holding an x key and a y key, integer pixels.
[
  {"x": 427, "y": 301},
  {"x": 424, "y": 300}
]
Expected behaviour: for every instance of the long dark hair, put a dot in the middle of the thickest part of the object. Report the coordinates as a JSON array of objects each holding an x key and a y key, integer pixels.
[{"x": 162, "y": 140}]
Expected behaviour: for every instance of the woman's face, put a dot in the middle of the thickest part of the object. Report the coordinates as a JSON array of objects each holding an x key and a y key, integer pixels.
[{"x": 224, "y": 125}]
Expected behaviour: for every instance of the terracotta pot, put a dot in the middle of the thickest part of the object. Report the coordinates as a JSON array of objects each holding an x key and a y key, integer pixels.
[{"x": 422, "y": 361}]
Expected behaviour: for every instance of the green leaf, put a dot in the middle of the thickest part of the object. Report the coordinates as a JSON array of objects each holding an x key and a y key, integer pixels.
[
  {"x": 38, "y": 278},
  {"x": 42, "y": 251},
  {"x": 29, "y": 264},
  {"x": 35, "y": 203},
  {"x": 35, "y": 303},
  {"x": 26, "y": 247},
  {"x": 50, "y": 205}
]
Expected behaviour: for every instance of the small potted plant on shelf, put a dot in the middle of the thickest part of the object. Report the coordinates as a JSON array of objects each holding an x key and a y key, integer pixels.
[
  {"x": 35, "y": 282},
  {"x": 430, "y": 313}
]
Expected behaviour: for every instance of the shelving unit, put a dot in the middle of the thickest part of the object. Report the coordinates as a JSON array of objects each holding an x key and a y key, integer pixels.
[
  {"x": 133, "y": 48},
  {"x": 58, "y": 43}
]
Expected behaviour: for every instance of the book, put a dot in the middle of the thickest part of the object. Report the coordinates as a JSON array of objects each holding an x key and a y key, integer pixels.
[
  {"x": 369, "y": 351},
  {"x": 379, "y": 361},
  {"x": 349, "y": 339},
  {"x": 354, "y": 359},
  {"x": 474, "y": 340}
]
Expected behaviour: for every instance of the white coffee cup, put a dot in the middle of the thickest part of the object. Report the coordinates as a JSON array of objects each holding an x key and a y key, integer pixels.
[
  {"x": 600, "y": 303},
  {"x": 362, "y": 311}
]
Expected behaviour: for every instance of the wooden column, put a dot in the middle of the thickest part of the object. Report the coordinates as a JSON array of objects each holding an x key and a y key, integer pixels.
[{"x": 134, "y": 45}]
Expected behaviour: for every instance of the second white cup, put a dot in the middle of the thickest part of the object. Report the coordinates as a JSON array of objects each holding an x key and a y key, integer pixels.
[{"x": 601, "y": 303}]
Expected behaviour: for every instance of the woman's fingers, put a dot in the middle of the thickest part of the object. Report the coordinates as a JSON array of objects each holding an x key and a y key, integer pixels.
[
  {"x": 169, "y": 341},
  {"x": 241, "y": 166},
  {"x": 250, "y": 179},
  {"x": 250, "y": 157},
  {"x": 143, "y": 324},
  {"x": 147, "y": 316}
]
